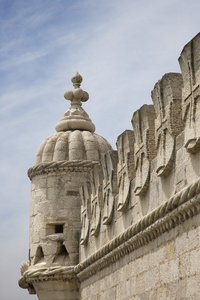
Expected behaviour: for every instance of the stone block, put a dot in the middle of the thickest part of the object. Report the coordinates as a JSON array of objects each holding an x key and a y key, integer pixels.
[
  {"x": 169, "y": 271},
  {"x": 194, "y": 262}
]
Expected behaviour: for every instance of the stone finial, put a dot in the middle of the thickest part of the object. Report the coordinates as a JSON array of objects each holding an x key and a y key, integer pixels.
[
  {"x": 77, "y": 93},
  {"x": 75, "y": 117}
]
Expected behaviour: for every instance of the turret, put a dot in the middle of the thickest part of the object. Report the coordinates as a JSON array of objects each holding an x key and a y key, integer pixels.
[{"x": 62, "y": 164}]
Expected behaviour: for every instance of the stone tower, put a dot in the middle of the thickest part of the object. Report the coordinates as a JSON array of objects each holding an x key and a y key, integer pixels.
[{"x": 62, "y": 164}]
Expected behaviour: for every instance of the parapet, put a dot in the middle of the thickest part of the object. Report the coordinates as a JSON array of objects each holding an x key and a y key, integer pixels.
[{"x": 148, "y": 185}]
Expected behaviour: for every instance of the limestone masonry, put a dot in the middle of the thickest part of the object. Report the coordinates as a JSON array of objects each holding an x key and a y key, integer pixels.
[{"x": 122, "y": 224}]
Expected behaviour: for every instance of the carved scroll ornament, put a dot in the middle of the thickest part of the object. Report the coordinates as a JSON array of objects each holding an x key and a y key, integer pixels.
[
  {"x": 125, "y": 168},
  {"x": 189, "y": 63},
  {"x": 85, "y": 193},
  {"x": 110, "y": 188},
  {"x": 166, "y": 97},
  {"x": 96, "y": 179},
  {"x": 143, "y": 125}
]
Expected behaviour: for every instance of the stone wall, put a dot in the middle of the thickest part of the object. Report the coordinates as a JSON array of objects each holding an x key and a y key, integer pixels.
[
  {"x": 140, "y": 208},
  {"x": 166, "y": 268}
]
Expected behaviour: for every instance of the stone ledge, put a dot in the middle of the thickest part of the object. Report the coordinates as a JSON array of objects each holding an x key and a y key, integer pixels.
[
  {"x": 46, "y": 274},
  {"x": 61, "y": 166}
]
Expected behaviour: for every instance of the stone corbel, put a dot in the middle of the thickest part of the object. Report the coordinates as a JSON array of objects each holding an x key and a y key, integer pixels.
[
  {"x": 85, "y": 193},
  {"x": 166, "y": 97},
  {"x": 96, "y": 179},
  {"x": 190, "y": 68},
  {"x": 22, "y": 281},
  {"x": 110, "y": 188},
  {"x": 143, "y": 125},
  {"x": 125, "y": 167}
]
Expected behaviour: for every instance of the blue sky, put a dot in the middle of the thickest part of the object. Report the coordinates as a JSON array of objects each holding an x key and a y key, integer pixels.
[{"x": 121, "y": 48}]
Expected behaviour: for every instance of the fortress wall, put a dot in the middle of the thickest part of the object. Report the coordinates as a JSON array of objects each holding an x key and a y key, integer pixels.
[
  {"x": 166, "y": 268},
  {"x": 142, "y": 212}
]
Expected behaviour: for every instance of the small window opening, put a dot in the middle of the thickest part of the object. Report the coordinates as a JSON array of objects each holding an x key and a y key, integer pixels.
[
  {"x": 59, "y": 228},
  {"x": 54, "y": 228}
]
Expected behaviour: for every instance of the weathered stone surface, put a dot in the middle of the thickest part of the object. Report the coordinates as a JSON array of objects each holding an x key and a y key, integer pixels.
[
  {"x": 110, "y": 188},
  {"x": 143, "y": 125},
  {"x": 85, "y": 192},
  {"x": 190, "y": 66},
  {"x": 125, "y": 167},
  {"x": 96, "y": 180},
  {"x": 168, "y": 123}
]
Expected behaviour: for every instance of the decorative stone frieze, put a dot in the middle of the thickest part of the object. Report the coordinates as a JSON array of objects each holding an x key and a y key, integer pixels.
[
  {"x": 144, "y": 126},
  {"x": 61, "y": 166},
  {"x": 190, "y": 67},
  {"x": 110, "y": 188},
  {"x": 166, "y": 97},
  {"x": 96, "y": 180},
  {"x": 125, "y": 167}
]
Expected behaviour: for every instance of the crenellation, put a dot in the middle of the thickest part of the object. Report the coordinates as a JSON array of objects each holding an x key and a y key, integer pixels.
[
  {"x": 110, "y": 187},
  {"x": 143, "y": 124},
  {"x": 125, "y": 167},
  {"x": 190, "y": 66},
  {"x": 166, "y": 97},
  {"x": 85, "y": 193},
  {"x": 96, "y": 180}
]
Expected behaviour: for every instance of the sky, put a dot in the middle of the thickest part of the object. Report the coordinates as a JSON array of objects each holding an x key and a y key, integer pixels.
[{"x": 121, "y": 49}]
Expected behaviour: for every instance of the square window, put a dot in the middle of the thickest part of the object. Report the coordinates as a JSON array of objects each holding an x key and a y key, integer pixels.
[{"x": 54, "y": 228}]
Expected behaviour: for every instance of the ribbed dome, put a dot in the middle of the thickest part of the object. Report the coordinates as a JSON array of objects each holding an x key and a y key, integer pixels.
[
  {"x": 71, "y": 146},
  {"x": 75, "y": 139}
]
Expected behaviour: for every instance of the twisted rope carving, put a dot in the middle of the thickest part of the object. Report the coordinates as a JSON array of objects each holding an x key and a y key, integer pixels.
[
  {"x": 52, "y": 273},
  {"x": 67, "y": 166}
]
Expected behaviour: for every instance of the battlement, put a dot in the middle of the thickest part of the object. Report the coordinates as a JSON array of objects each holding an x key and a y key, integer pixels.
[
  {"x": 149, "y": 185},
  {"x": 156, "y": 160}
]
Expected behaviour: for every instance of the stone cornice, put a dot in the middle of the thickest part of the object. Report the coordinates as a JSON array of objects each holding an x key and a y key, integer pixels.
[
  {"x": 177, "y": 209},
  {"x": 61, "y": 166},
  {"x": 52, "y": 273}
]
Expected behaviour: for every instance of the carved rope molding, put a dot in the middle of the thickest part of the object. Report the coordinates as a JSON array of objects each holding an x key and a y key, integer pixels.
[
  {"x": 45, "y": 274},
  {"x": 62, "y": 166},
  {"x": 177, "y": 209}
]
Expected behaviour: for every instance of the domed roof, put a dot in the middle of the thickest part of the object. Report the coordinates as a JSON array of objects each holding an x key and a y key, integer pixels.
[
  {"x": 75, "y": 139},
  {"x": 71, "y": 145}
]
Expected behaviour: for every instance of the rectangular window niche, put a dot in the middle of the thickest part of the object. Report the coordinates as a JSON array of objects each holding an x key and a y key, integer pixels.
[{"x": 54, "y": 228}]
